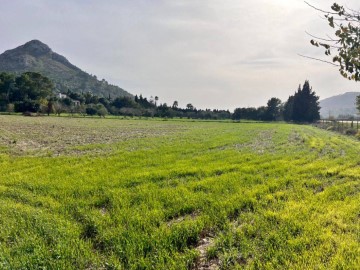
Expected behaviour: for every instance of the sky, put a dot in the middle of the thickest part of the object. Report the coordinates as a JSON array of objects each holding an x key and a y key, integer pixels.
[{"x": 219, "y": 54}]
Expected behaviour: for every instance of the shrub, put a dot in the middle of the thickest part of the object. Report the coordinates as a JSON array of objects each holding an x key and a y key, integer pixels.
[
  {"x": 358, "y": 135},
  {"x": 26, "y": 106},
  {"x": 90, "y": 111},
  {"x": 10, "y": 108},
  {"x": 350, "y": 132}
]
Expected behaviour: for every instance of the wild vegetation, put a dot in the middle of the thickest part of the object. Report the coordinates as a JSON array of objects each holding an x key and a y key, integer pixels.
[
  {"x": 176, "y": 195},
  {"x": 32, "y": 93}
]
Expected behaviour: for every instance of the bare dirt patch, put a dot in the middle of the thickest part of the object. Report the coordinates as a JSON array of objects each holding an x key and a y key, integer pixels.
[
  {"x": 64, "y": 135},
  {"x": 262, "y": 143},
  {"x": 203, "y": 263}
]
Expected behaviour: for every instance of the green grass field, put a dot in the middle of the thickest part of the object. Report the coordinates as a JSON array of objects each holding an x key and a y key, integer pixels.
[{"x": 152, "y": 194}]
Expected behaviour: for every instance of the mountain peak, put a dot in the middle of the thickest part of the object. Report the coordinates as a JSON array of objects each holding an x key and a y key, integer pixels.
[
  {"x": 35, "y": 42},
  {"x": 35, "y": 56},
  {"x": 35, "y": 48}
]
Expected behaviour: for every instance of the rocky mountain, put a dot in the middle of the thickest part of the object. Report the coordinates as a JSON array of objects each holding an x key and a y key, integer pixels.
[
  {"x": 335, "y": 106},
  {"x": 36, "y": 56}
]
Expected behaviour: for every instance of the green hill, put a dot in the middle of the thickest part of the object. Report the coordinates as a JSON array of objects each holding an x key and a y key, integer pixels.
[{"x": 36, "y": 56}]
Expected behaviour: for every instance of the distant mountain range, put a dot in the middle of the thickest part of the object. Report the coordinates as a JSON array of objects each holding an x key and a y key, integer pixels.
[
  {"x": 335, "y": 106},
  {"x": 36, "y": 56}
]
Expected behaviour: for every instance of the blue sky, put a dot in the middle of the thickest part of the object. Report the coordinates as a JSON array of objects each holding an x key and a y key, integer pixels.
[{"x": 212, "y": 53}]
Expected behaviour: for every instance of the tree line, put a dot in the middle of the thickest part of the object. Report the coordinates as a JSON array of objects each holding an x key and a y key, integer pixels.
[
  {"x": 303, "y": 106},
  {"x": 31, "y": 92}
]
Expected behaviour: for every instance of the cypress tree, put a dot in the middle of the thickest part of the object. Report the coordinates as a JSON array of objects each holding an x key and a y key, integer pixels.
[{"x": 303, "y": 106}]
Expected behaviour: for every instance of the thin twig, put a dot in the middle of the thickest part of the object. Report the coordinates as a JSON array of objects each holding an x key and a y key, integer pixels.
[
  {"x": 317, "y": 59},
  {"x": 319, "y": 38},
  {"x": 318, "y": 9},
  {"x": 356, "y": 12}
]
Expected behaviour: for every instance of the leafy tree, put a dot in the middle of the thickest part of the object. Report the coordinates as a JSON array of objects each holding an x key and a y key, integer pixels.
[
  {"x": 67, "y": 101},
  {"x": 130, "y": 111},
  {"x": 27, "y": 106},
  {"x": 124, "y": 102},
  {"x": 7, "y": 85},
  {"x": 50, "y": 107},
  {"x": 31, "y": 86},
  {"x": 345, "y": 42},
  {"x": 261, "y": 113},
  {"x": 151, "y": 100},
  {"x": 222, "y": 114},
  {"x": 88, "y": 97},
  {"x": 72, "y": 109},
  {"x": 104, "y": 101},
  {"x": 101, "y": 110},
  {"x": 59, "y": 108},
  {"x": 273, "y": 109},
  {"x": 288, "y": 109},
  {"x": 175, "y": 104},
  {"x": 237, "y": 115},
  {"x": 143, "y": 102},
  {"x": 248, "y": 113},
  {"x": 91, "y": 110},
  {"x": 94, "y": 99},
  {"x": 96, "y": 109},
  {"x": 189, "y": 107},
  {"x": 164, "y": 111},
  {"x": 81, "y": 109},
  {"x": 148, "y": 113},
  {"x": 75, "y": 96}
]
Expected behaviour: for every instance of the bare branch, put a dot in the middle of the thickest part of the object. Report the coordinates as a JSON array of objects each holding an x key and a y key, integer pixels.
[
  {"x": 320, "y": 60},
  {"x": 356, "y": 12},
  {"x": 319, "y": 38},
  {"x": 318, "y": 9}
]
